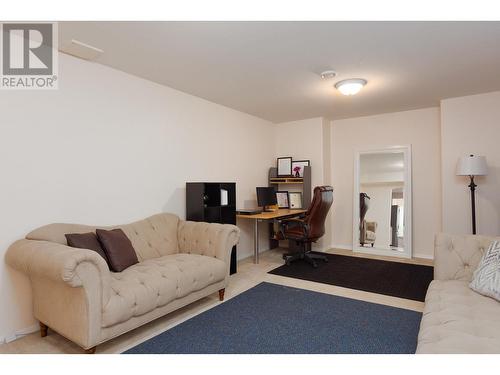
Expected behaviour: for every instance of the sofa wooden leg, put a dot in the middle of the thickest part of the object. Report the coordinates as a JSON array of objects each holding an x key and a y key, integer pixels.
[
  {"x": 43, "y": 329},
  {"x": 90, "y": 350},
  {"x": 221, "y": 294}
]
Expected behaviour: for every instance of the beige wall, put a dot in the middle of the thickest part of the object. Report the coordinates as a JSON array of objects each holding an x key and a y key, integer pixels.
[
  {"x": 471, "y": 125},
  {"x": 107, "y": 148},
  {"x": 302, "y": 140},
  {"x": 418, "y": 128},
  {"x": 309, "y": 140}
]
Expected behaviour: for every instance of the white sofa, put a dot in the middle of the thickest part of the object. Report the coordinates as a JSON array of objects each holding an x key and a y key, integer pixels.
[
  {"x": 75, "y": 294},
  {"x": 457, "y": 319}
]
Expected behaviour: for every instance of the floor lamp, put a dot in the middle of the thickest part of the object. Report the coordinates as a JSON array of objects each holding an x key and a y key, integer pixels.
[{"x": 472, "y": 166}]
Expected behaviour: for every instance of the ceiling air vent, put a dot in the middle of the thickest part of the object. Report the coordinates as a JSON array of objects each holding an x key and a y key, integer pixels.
[{"x": 81, "y": 50}]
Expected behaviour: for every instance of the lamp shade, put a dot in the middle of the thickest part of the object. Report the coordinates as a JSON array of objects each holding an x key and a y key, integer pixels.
[{"x": 472, "y": 165}]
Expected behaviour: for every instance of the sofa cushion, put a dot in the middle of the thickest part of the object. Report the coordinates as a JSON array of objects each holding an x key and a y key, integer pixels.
[
  {"x": 156, "y": 282},
  {"x": 86, "y": 241},
  {"x": 118, "y": 249},
  {"x": 458, "y": 320}
]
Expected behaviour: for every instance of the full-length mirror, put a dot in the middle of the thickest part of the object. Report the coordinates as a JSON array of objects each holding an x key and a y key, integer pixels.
[{"x": 382, "y": 202}]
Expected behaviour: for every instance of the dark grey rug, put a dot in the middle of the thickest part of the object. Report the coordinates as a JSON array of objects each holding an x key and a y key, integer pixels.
[
  {"x": 276, "y": 319},
  {"x": 395, "y": 279}
]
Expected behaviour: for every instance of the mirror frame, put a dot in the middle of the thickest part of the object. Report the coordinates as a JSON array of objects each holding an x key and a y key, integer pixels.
[{"x": 407, "y": 197}]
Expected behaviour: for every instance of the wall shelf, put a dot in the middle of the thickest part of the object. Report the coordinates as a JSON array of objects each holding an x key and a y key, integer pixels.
[
  {"x": 301, "y": 183},
  {"x": 286, "y": 180}
]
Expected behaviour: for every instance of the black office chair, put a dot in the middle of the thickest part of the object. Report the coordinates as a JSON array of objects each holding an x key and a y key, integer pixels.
[{"x": 310, "y": 228}]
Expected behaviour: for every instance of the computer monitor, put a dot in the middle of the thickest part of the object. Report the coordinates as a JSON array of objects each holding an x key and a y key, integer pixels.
[{"x": 266, "y": 196}]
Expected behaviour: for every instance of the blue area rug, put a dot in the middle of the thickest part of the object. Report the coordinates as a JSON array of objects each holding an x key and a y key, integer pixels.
[{"x": 276, "y": 319}]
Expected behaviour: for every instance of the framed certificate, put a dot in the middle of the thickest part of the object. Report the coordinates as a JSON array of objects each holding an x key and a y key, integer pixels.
[
  {"x": 282, "y": 199},
  {"x": 295, "y": 199},
  {"x": 284, "y": 167}
]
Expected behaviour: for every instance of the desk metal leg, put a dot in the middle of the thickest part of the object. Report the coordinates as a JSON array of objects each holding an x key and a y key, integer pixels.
[{"x": 256, "y": 242}]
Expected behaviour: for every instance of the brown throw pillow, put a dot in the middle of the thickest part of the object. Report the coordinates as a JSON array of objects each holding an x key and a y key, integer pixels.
[
  {"x": 118, "y": 249},
  {"x": 86, "y": 241}
]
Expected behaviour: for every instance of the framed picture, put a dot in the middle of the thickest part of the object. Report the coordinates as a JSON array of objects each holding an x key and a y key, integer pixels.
[
  {"x": 298, "y": 167},
  {"x": 282, "y": 199},
  {"x": 284, "y": 167},
  {"x": 295, "y": 199}
]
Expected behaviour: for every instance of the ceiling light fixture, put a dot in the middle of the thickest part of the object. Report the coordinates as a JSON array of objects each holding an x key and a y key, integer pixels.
[{"x": 350, "y": 86}]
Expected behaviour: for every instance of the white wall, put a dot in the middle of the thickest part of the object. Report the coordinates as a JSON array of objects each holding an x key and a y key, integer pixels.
[
  {"x": 307, "y": 140},
  {"x": 107, "y": 148},
  {"x": 302, "y": 140},
  {"x": 471, "y": 125},
  {"x": 421, "y": 129}
]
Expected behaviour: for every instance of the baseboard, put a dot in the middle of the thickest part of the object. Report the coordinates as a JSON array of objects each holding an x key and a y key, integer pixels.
[
  {"x": 423, "y": 256},
  {"x": 19, "y": 333},
  {"x": 321, "y": 249},
  {"x": 415, "y": 255},
  {"x": 340, "y": 246}
]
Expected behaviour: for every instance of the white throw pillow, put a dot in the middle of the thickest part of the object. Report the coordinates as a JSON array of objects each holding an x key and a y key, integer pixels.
[{"x": 486, "y": 278}]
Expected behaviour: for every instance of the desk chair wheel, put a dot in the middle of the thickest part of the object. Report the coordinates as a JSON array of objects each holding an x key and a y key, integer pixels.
[{"x": 310, "y": 260}]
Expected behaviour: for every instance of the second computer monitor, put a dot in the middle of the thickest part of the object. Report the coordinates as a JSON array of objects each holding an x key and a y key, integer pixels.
[{"x": 266, "y": 196}]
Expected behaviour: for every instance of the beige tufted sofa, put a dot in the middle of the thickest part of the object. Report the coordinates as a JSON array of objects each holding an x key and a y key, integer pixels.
[
  {"x": 75, "y": 294},
  {"x": 457, "y": 319}
]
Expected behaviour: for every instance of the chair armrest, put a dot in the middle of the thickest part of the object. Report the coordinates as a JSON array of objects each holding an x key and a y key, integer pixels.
[
  {"x": 292, "y": 220},
  {"x": 285, "y": 223},
  {"x": 58, "y": 263},
  {"x": 210, "y": 239}
]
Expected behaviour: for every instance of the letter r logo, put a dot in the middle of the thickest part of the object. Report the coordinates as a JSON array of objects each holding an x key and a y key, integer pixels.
[{"x": 27, "y": 49}]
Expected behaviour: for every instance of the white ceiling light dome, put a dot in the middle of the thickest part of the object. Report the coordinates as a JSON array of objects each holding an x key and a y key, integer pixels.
[{"x": 350, "y": 86}]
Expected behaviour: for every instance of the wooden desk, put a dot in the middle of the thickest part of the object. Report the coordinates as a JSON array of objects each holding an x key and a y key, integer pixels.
[{"x": 266, "y": 216}]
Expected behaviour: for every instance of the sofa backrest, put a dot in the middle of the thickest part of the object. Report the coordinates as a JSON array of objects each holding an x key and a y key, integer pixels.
[
  {"x": 152, "y": 237},
  {"x": 456, "y": 257}
]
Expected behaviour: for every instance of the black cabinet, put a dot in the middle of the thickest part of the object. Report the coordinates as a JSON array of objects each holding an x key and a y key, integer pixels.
[{"x": 212, "y": 202}]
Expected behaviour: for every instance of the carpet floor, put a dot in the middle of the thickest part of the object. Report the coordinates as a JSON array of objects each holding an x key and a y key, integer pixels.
[
  {"x": 395, "y": 279},
  {"x": 276, "y": 319}
]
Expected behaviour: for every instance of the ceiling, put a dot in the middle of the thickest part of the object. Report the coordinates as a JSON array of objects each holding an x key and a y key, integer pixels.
[
  {"x": 381, "y": 162},
  {"x": 271, "y": 69}
]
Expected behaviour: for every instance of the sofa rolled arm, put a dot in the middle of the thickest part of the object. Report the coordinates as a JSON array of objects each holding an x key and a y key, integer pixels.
[
  {"x": 57, "y": 262},
  {"x": 210, "y": 239},
  {"x": 456, "y": 257}
]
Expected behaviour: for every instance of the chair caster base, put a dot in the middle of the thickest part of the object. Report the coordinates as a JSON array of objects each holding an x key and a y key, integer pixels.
[{"x": 308, "y": 257}]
